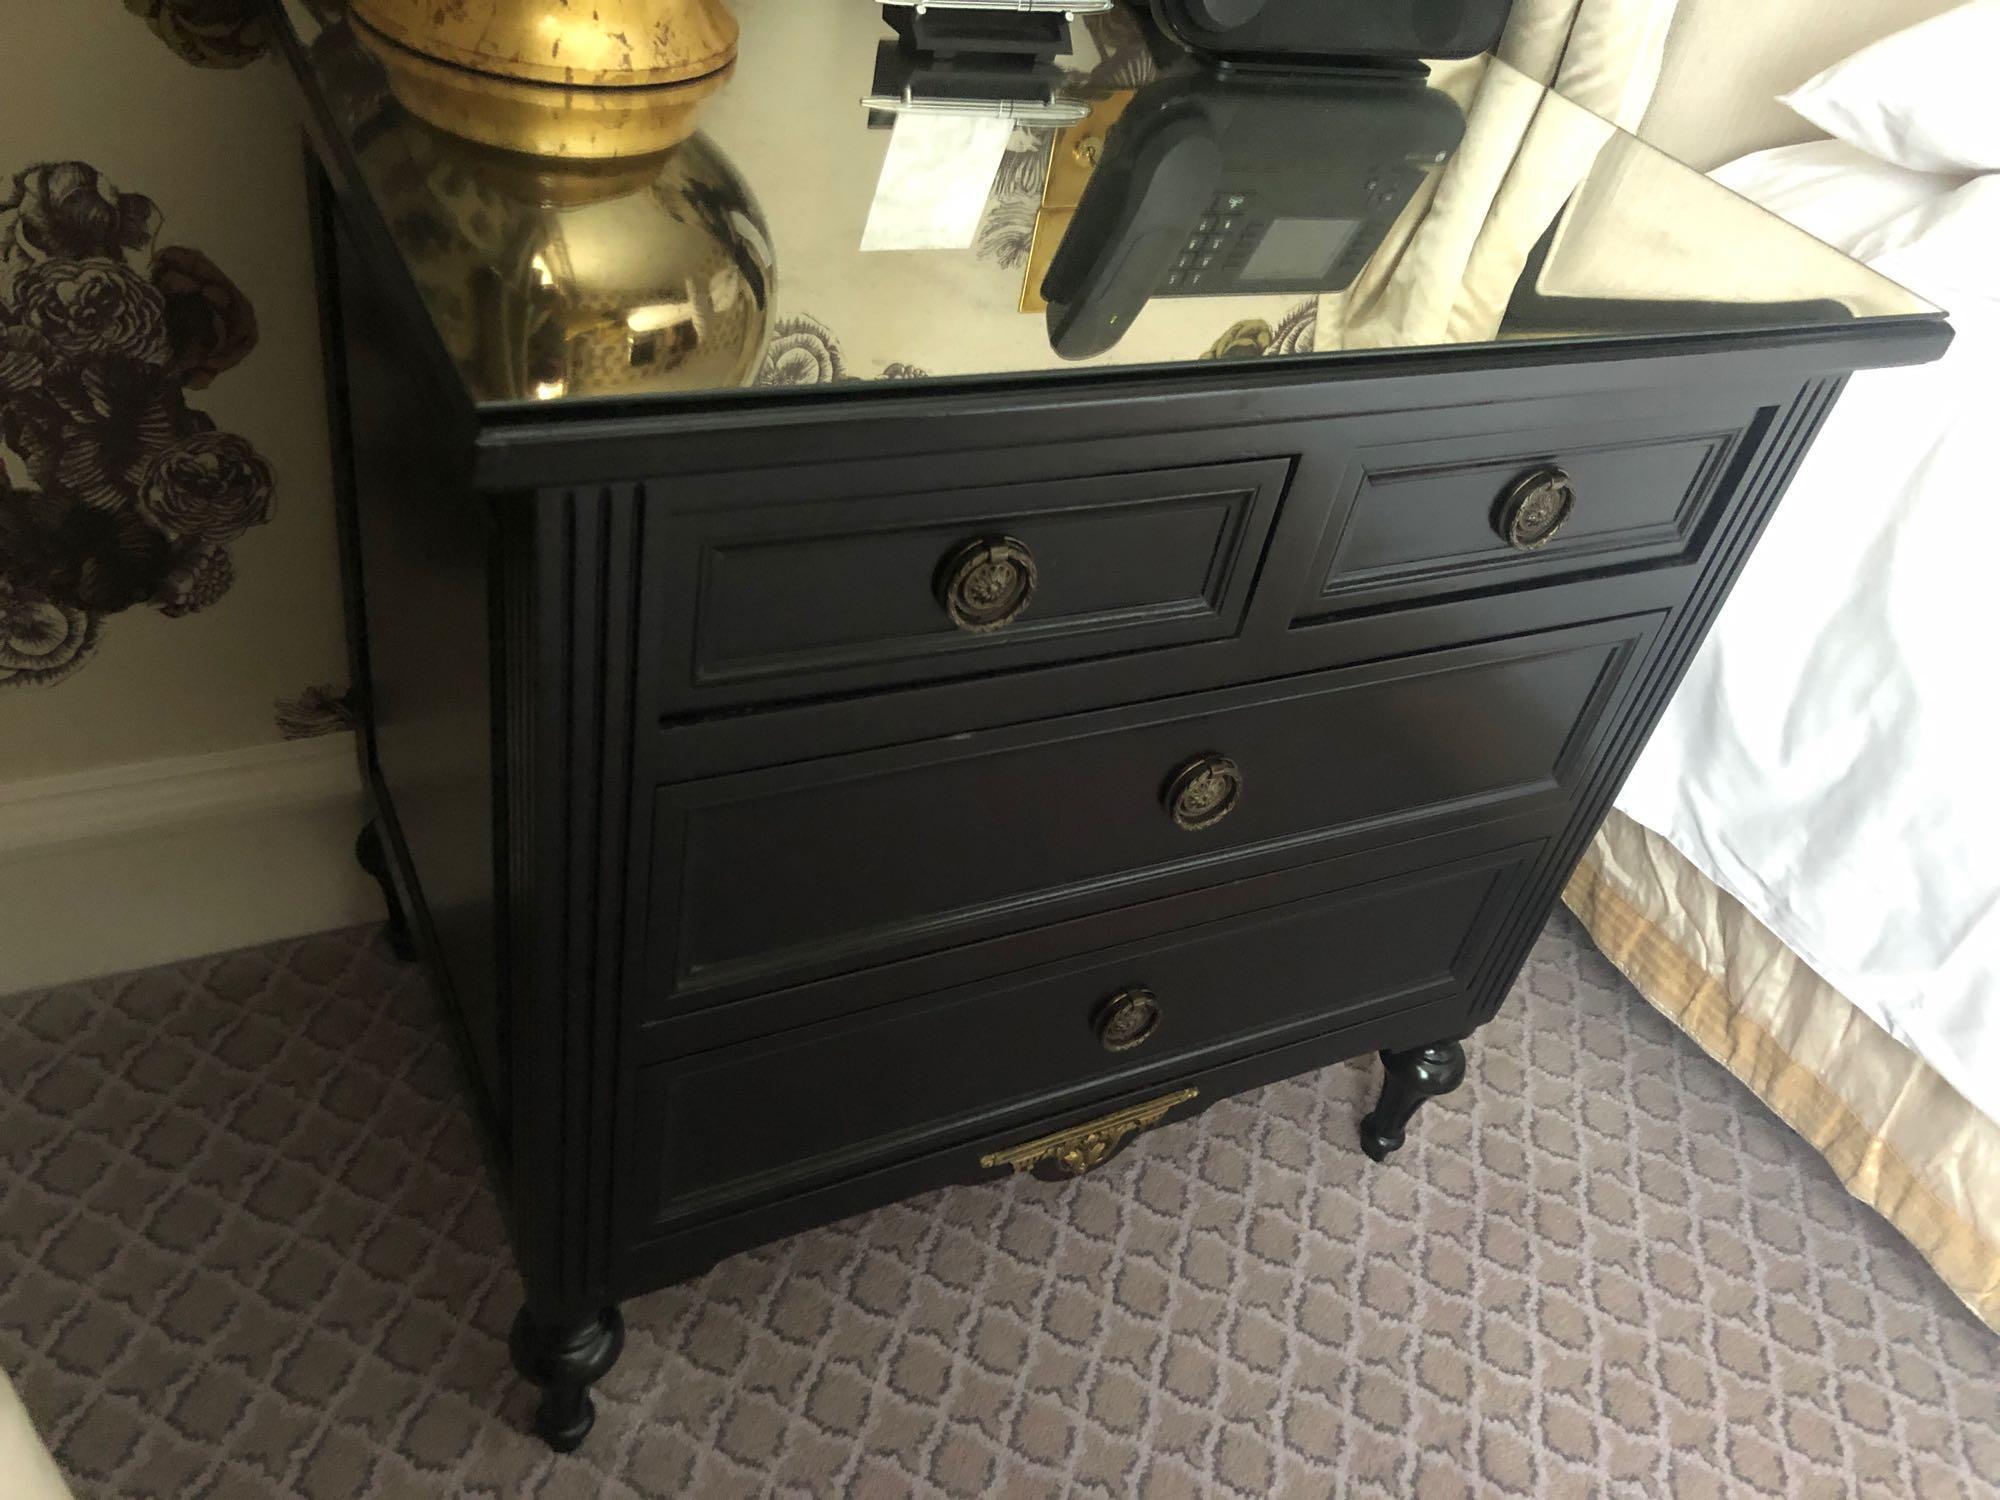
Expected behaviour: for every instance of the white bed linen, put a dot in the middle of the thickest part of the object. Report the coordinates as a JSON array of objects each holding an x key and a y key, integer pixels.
[{"x": 1830, "y": 759}]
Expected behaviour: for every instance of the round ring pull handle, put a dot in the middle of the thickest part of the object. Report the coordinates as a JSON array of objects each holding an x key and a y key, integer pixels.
[
  {"x": 1535, "y": 507},
  {"x": 1128, "y": 1018},
  {"x": 1204, "y": 791},
  {"x": 986, "y": 582}
]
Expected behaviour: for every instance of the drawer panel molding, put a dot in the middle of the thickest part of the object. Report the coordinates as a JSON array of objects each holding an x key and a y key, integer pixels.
[
  {"x": 762, "y": 604},
  {"x": 1424, "y": 513}
]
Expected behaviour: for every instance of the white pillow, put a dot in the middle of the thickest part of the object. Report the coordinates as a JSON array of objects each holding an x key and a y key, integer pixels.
[
  {"x": 1833, "y": 191},
  {"x": 1943, "y": 250},
  {"x": 1931, "y": 233},
  {"x": 1924, "y": 98}
]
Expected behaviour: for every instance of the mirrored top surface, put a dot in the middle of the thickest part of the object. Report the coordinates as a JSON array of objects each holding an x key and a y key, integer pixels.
[{"x": 836, "y": 206}]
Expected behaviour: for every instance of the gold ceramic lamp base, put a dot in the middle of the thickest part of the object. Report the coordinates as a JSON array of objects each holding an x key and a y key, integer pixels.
[
  {"x": 541, "y": 119},
  {"x": 578, "y": 43}
]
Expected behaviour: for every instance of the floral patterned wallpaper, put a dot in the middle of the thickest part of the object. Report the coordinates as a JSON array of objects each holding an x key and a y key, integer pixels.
[
  {"x": 168, "y": 583},
  {"x": 130, "y": 495}
]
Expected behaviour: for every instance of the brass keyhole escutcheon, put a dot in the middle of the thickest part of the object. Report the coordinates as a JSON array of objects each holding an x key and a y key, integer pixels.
[
  {"x": 1128, "y": 1018},
  {"x": 985, "y": 583},
  {"x": 1534, "y": 508},
  {"x": 1204, "y": 791}
]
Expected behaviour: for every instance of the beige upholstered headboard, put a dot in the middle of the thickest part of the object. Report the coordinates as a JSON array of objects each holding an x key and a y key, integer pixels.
[{"x": 1728, "y": 60}]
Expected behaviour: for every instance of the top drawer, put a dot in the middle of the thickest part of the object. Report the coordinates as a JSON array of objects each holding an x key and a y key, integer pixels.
[
  {"x": 763, "y": 602},
  {"x": 1427, "y": 506}
]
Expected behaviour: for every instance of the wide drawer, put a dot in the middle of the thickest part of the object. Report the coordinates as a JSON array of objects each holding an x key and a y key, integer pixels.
[
  {"x": 765, "y": 602},
  {"x": 782, "y": 875},
  {"x": 1428, "y": 505},
  {"x": 770, "y": 1115}
]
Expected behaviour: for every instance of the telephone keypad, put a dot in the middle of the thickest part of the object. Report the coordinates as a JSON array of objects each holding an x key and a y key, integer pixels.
[
  {"x": 1212, "y": 257},
  {"x": 1217, "y": 246}
]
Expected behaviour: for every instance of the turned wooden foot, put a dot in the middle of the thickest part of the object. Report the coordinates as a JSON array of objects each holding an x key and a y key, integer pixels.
[
  {"x": 563, "y": 1359},
  {"x": 372, "y": 857},
  {"x": 1410, "y": 1078}
]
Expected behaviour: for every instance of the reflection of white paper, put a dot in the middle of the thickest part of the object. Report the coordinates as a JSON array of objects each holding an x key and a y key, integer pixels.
[{"x": 935, "y": 181}]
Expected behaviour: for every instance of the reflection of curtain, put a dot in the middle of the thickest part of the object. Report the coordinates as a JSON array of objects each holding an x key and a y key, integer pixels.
[
  {"x": 1448, "y": 269},
  {"x": 1603, "y": 54}
]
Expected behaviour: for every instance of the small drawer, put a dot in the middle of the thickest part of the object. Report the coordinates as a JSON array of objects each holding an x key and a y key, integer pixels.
[
  {"x": 774, "y": 877},
  {"x": 1426, "y": 510},
  {"x": 767, "y": 1116},
  {"x": 774, "y": 601}
]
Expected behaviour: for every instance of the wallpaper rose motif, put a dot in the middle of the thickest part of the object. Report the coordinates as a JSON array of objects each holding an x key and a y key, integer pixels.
[
  {"x": 125, "y": 495},
  {"x": 1254, "y": 337},
  {"x": 207, "y": 33},
  {"x": 804, "y": 351},
  {"x": 321, "y": 709}
]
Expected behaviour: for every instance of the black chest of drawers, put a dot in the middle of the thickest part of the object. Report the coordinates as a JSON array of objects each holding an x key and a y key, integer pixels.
[{"x": 807, "y": 801}]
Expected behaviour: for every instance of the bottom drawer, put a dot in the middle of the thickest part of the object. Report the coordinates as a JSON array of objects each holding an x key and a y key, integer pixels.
[{"x": 769, "y": 1116}]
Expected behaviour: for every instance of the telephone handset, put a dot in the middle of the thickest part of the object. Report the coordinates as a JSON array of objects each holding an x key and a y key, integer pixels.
[
  {"x": 1219, "y": 184},
  {"x": 1128, "y": 230}
]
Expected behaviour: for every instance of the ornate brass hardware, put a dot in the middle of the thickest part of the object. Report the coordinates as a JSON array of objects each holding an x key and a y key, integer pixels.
[
  {"x": 1071, "y": 1153},
  {"x": 1204, "y": 791},
  {"x": 1534, "y": 509},
  {"x": 984, "y": 583},
  {"x": 1128, "y": 1018}
]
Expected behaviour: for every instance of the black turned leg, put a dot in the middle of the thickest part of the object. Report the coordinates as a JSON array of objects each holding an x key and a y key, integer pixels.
[
  {"x": 373, "y": 858},
  {"x": 563, "y": 1359},
  {"x": 1409, "y": 1079}
]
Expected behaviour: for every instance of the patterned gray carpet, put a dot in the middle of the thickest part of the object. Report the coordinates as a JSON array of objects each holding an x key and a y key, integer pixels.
[{"x": 246, "y": 1250}]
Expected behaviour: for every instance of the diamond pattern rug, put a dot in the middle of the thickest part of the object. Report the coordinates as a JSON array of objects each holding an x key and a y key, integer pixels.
[{"x": 246, "y": 1249}]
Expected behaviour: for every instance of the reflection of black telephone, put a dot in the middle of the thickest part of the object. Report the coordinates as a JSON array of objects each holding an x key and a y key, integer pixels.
[
  {"x": 1212, "y": 184},
  {"x": 1296, "y": 31}
]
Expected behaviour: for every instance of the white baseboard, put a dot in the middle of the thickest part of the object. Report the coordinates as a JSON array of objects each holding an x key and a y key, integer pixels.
[{"x": 104, "y": 871}]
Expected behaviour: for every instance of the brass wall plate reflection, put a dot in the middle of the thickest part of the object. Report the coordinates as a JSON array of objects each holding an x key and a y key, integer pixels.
[
  {"x": 1051, "y": 224},
  {"x": 1073, "y": 156}
]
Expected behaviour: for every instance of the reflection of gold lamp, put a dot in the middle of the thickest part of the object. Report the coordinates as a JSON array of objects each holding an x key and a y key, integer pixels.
[
  {"x": 550, "y": 278},
  {"x": 582, "y": 79},
  {"x": 605, "y": 248}
]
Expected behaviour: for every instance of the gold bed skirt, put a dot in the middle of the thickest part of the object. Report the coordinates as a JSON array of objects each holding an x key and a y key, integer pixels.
[{"x": 1903, "y": 1140}]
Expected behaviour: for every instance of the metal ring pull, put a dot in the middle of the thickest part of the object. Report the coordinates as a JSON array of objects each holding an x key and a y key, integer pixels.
[
  {"x": 987, "y": 582},
  {"x": 1534, "y": 509},
  {"x": 1128, "y": 1018},
  {"x": 1204, "y": 791}
]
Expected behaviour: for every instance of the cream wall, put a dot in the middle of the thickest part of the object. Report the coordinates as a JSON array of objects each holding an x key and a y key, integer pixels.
[{"x": 217, "y": 149}]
